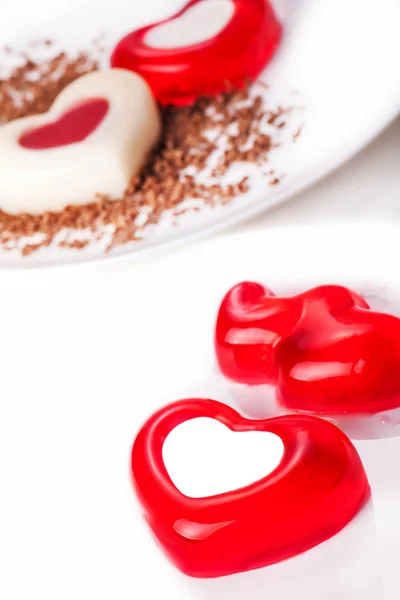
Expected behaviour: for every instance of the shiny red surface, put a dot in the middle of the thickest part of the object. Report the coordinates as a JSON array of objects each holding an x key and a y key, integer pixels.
[
  {"x": 251, "y": 322},
  {"x": 326, "y": 351},
  {"x": 180, "y": 75},
  {"x": 316, "y": 490},
  {"x": 72, "y": 127}
]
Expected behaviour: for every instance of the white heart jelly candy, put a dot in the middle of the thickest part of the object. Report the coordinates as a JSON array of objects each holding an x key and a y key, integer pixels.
[{"x": 94, "y": 139}]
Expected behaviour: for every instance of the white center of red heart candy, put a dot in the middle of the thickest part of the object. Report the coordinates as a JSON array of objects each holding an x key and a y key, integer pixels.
[
  {"x": 196, "y": 25},
  {"x": 205, "y": 458}
]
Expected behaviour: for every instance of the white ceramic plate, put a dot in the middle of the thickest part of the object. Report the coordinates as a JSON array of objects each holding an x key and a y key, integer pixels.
[
  {"x": 88, "y": 355},
  {"x": 341, "y": 56}
]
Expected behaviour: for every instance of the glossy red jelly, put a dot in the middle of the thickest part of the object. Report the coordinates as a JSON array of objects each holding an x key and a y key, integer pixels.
[
  {"x": 326, "y": 351},
  {"x": 251, "y": 322},
  {"x": 316, "y": 490},
  {"x": 230, "y": 57},
  {"x": 72, "y": 127}
]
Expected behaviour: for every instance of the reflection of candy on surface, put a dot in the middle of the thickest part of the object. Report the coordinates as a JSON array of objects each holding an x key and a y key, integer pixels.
[
  {"x": 316, "y": 490},
  {"x": 208, "y": 45},
  {"x": 94, "y": 139},
  {"x": 345, "y": 567},
  {"x": 326, "y": 352}
]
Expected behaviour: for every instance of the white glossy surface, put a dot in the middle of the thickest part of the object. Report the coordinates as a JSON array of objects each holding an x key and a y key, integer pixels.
[
  {"x": 204, "y": 458},
  {"x": 334, "y": 80},
  {"x": 198, "y": 24},
  {"x": 261, "y": 402},
  {"x": 344, "y": 567},
  {"x": 87, "y": 358}
]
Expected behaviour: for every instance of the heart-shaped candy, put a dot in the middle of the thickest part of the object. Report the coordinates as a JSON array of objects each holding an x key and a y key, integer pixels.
[
  {"x": 340, "y": 361},
  {"x": 324, "y": 349},
  {"x": 201, "y": 49},
  {"x": 94, "y": 139},
  {"x": 252, "y": 322},
  {"x": 314, "y": 492}
]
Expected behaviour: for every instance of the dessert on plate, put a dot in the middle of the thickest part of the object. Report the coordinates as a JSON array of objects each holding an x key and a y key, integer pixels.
[{"x": 183, "y": 111}]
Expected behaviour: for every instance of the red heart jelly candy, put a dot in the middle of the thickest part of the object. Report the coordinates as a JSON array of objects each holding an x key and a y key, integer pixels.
[
  {"x": 316, "y": 490},
  {"x": 206, "y": 46}
]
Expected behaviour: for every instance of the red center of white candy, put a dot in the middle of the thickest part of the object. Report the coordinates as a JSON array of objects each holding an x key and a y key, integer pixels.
[{"x": 72, "y": 127}]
